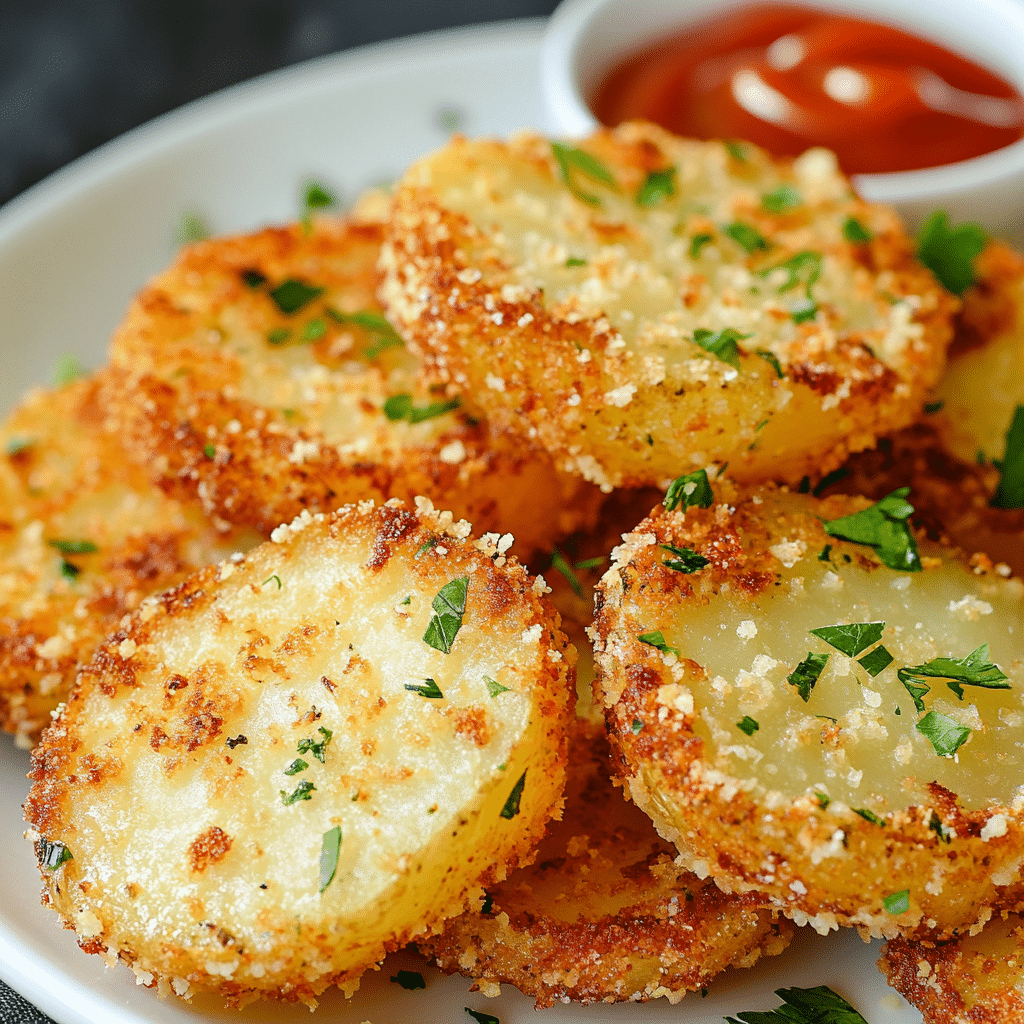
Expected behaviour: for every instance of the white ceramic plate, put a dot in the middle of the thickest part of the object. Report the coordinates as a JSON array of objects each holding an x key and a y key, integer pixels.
[{"x": 72, "y": 251}]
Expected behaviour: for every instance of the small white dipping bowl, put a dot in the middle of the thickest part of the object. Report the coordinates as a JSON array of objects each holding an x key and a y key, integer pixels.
[{"x": 585, "y": 39}]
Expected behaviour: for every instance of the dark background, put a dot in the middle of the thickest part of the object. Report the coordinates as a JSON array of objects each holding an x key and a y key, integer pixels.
[{"x": 75, "y": 73}]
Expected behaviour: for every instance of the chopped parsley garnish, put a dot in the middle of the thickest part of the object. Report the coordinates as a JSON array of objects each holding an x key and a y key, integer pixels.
[
  {"x": 67, "y": 371},
  {"x": 721, "y": 343},
  {"x": 855, "y": 232},
  {"x": 693, "y": 489},
  {"x": 746, "y": 236},
  {"x": 883, "y": 527},
  {"x": 819, "y": 1005},
  {"x": 279, "y": 335},
  {"x": 73, "y": 547},
  {"x": 825, "y": 554},
  {"x": 636, "y": 726},
  {"x": 853, "y": 638},
  {"x": 949, "y": 253},
  {"x": 656, "y": 639},
  {"x": 272, "y": 579},
  {"x": 748, "y": 725},
  {"x": 383, "y": 335},
  {"x": 945, "y": 734},
  {"x": 806, "y": 674},
  {"x": 494, "y": 688},
  {"x": 53, "y": 854},
  {"x": 192, "y": 228},
  {"x": 802, "y": 269},
  {"x": 253, "y": 278},
  {"x": 400, "y": 407},
  {"x": 318, "y": 748},
  {"x": 291, "y": 295},
  {"x": 575, "y": 261},
  {"x": 558, "y": 562},
  {"x": 409, "y": 980},
  {"x": 209, "y": 450},
  {"x": 330, "y": 848},
  {"x": 736, "y": 149},
  {"x": 687, "y": 560},
  {"x": 449, "y": 607},
  {"x": 1010, "y": 492},
  {"x": 511, "y": 808},
  {"x": 933, "y": 407},
  {"x": 572, "y": 162},
  {"x": 944, "y": 833},
  {"x": 659, "y": 186},
  {"x": 771, "y": 359},
  {"x": 804, "y": 310},
  {"x": 426, "y": 546},
  {"x": 897, "y": 902},
  {"x": 823, "y": 799},
  {"x": 315, "y": 329},
  {"x": 69, "y": 571},
  {"x": 428, "y": 688},
  {"x": 876, "y": 661},
  {"x": 784, "y": 198},
  {"x": 303, "y": 791},
  {"x": 829, "y": 479},
  {"x": 317, "y": 197},
  {"x": 916, "y": 689},
  {"x": 973, "y": 670},
  {"x": 697, "y": 244},
  {"x": 17, "y": 445},
  {"x": 869, "y": 816},
  {"x": 590, "y": 563},
  {"x": 298, "y": 765},
  {"x": 482, "y": 1018}
]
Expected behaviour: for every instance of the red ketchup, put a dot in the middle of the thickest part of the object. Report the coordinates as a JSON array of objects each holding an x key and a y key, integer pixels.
[{"x": 790, "y": 77}]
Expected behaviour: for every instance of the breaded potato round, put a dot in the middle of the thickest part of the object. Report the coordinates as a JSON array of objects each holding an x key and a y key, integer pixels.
[
  {"x": 976, "y": 979},
  {"x": 641, "y": 304},
  {"x": 261, "y": 375},
  {"x": 805, "y": 721},
  {"x": 298, "y": 760},
  {"x": 604, "y": 915},
  {"x": 84, "y": 536}
]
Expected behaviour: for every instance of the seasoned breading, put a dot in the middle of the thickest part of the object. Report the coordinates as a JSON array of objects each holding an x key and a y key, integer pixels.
[
  {"x": 604, "y": 915},
  {"x": 302, "y": 758},
  {"x": 977, "y": 979},
  {"x": 867, "y": 774},
  {"x": 644, "y": 305},
  {"x": 261, "y": 375},
  {"x": 84, "y": 536}
]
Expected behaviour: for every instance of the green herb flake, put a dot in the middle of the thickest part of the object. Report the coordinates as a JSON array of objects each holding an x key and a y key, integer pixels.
[
  {"x": 67, "y": 371},
  {"x": 428, "y": 688},
  {"x": 558, "y": 562},
  {"x": 383, "y": 336},
  {"x": 806, "y": 674},
  {"x": 400, "y": 407},
  {"x": 272, "y": 579},
  {"x": 408, "y": 600},
  {"x": 656, "y": 640},
  {"x": 721, "y": 344},
  {"x": 572, "y": 162},
  {"x": 636, "y": 726},
  {"x": 748, "y": 725},
  {"x": 591, "y": 563},
  {"x": 192, "y": 228},
  {"x": 494, "y": 688},
  {"x": 916, "y": 689},
  {"x": 1010, "y": 491},
  {"x": 482, "y": 1018},
  {"x": 697, "y": 244},
  {"x": 883, "y": 527},
  {"x": 784, "y": 198},
  {"x": 330, "y": 848},
  {"x": 934, "y": 407},
  {"x": 803, "y": 311},
  {"x": 936, "y": 824},
  {"x": 823, "y": 799},
  {"x": 736, "y": 149},
  {"x": 210, "y": 450},
  {"x": 855, "y": 232},
  {"x": 253, "y": 278},
  {"x": 687, "y": 560},
  {"x": 897, "y": 902},
  {"x": 315, "y": 329},
  {"x": 511, "y": 808},
  {"x": 291, "y": 295},
  {"x": 575, "y": 261},
  {"x": 771, "y": 359},
  {"x": 818, "y": 1005},
  {"x": 853, "y": 638},
  {"x": 949, "y": 253},
  {"x": 449, "y": 607},
  {"x": 317, "y": 197},
  {"x": 876, "y": 661},
  {"x": 409, "y": 980},
  {"x": 973, "y": 670},
  {"x": 318, "y": 748},
  {"x": 303, "y": 791},
  {"x": 279, "y": 335},
  {"x": 693, "y": 489},
  {"x": 298, "y": 765},
  {"x": 825, "y": 554},
  {"x": 69, "y": 571},
  {"x": 52, "y": 854},
  {"x": 73, "y": 547},
  {"x": 426, "y": 546},
  {"x": 802, "y": 269},
  {"x": 945, "y": 734},
  {"x": 869, "y": 816},
  {"x": 659, "y": 186},
  {"x": 747, "y": 237}
]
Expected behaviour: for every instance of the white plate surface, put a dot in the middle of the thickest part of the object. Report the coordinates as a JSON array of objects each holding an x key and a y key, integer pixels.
[{"x": 72, "y": 252}]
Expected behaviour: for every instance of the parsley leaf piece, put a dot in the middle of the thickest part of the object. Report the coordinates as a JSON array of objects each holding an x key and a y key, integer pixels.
[
  {"x": 829, "y": 479},
  {"x": 656, "y": 640},
  {"x": 573, "y": 161},
  {"x": 697, "y": 244},
  {"x": 936, "y": 824},
  {"x": 819, "y": 1005},
  {"x": 317, "y": 197},
  {"x": 748, "y": 725},
  {"x": 945, "y": 734},
  {"x": 253, "y": 278},
  {"x": 823, "y": 799},
  {"x": 721, "y": 343},
  {"x": 494, "y": 688},
  {"x": 291, "y": 295},
  {"x": 876, "y": 661},
  {"x": 449, "y": 607},
  {"x": 192, "y": 228},
  {"x": 824, "y": 555},
  {"x": 771, "y": 359},
  {"x": 807, "y": 673},
  {"x": 916, "y": 689},
  {"x": 659, "y": 186},
  {"x": 746, "y": 236},
  {"x": 558, "y": 562},
  {"x": 315, "y": 329},
  {"x": 382, "y": 335},
  {"x": 688, "y": 561},
  {"x": 949, "y": 253},
  {"x": 330, "y": 848},
  {"x": 67, "y": 371},
  {"x": 210, "y": 450},
  {"x": 73, "y": 547},
  {"x": 482, "y": 1018},
  {"x": 973, "y": 670},
  {"x": 636, "y": 726},
  {"x": 400, "y": 407},
  {"x": 575, "y": 261},
  {"x": 591, "y": 563},
  {"x": 737, "y": 150},
  {"x": 511, "y": 808},
  {"x": 803, "y": 311},
  {"x": 426, "y": 546},
  {"x": 869, "y": 816},
  {"x": 897, "y": 902},
  {"x": 804, "y": 269},
  {"x": 1010, "y": 492},
  {"x": 298, "y": 765},
  {"x": 883, "y": 527},
  {"x": 69, "y": 571},
  {"x": 272, "y": 579},
  {"x": 428, "y": 688},
  {"x": 409, "y": 980},
  {"x": 318, "y": 748},
  {"x": 303, "y": 791},
  {"x": 933, "y": 407},
  {"x": 784, "y": 198},
  {"x": 693, "y": 489},
  {"x": 279, "y": 335},
  {"x": 855, "y": 232},
  {"x": 53, "y": 853},
  {"x": 853, "y": 638}
]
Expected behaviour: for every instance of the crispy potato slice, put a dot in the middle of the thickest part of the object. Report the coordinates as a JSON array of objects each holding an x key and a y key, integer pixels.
[
  {"x": 214, "y": 747},
  {"x": 804, "y": 766},
  {"x": 645, "y": 304},
  {"x": 262, "y": 376},
  {"x": 605, "y": 915},
  {"x": 84, "y": 536},
  {"x": 977, "y": 979}
]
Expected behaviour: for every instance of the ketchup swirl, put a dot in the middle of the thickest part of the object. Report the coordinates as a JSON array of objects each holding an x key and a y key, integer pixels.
[{"x": 790, "y": 77}]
